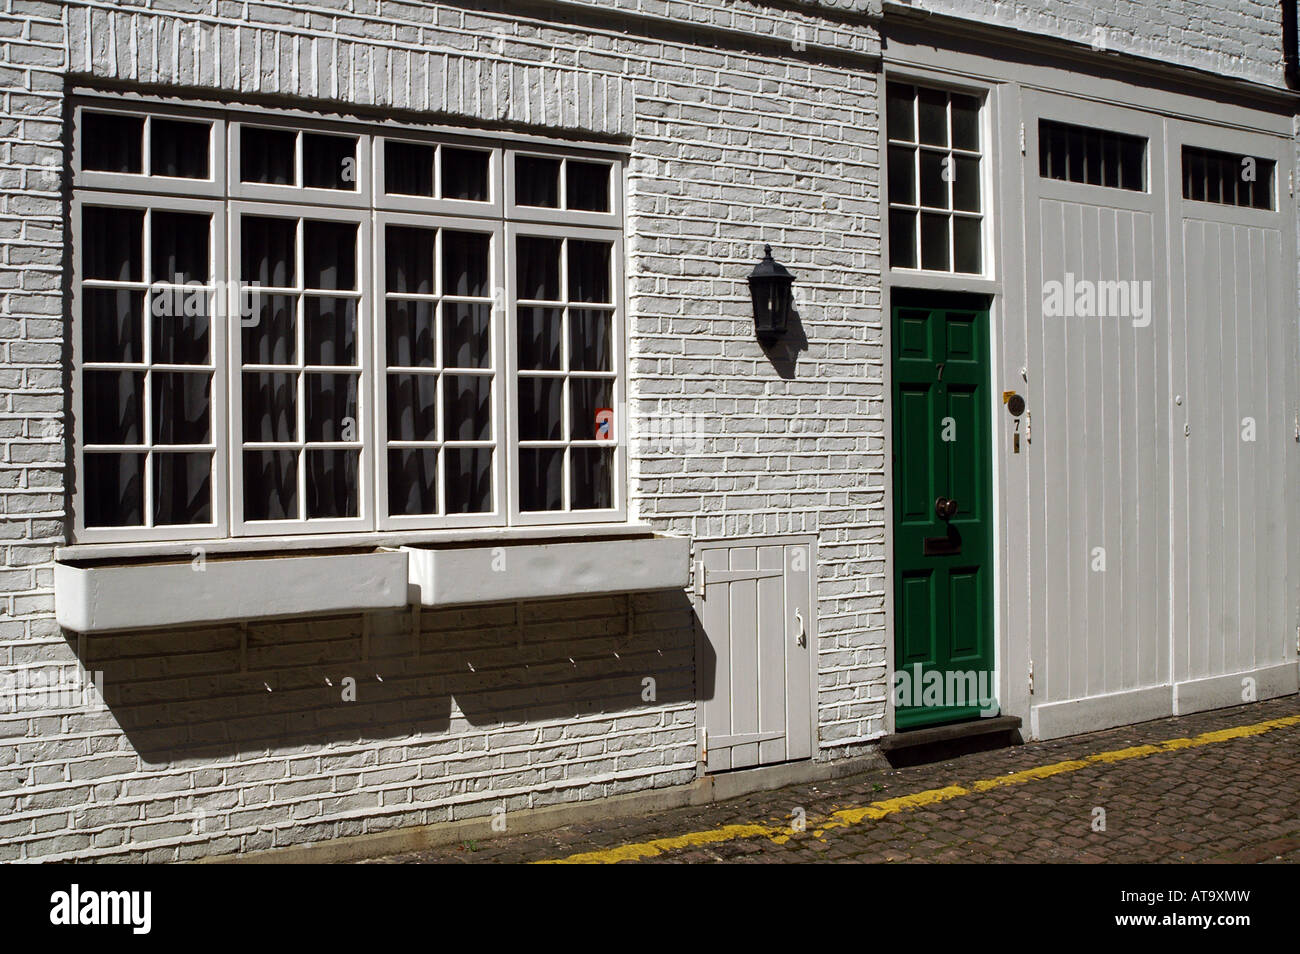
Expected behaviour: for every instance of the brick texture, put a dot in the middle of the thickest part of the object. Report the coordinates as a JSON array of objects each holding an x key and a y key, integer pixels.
[{"x": 1236, "y": 38}]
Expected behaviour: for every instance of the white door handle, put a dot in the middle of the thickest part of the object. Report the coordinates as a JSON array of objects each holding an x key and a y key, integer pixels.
[{"x": 801, "y": 638}]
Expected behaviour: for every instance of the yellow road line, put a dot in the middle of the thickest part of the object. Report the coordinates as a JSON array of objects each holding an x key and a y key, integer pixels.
[{"x": 846, "y": 817}]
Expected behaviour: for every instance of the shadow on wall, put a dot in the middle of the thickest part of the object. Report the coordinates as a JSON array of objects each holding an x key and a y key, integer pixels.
[
  {"x": 784, "y": 352},
  {"x": 229, "y": 690}
]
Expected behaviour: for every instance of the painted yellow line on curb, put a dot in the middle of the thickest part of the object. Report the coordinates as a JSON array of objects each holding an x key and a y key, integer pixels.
[{"x": 902, "y": 803}]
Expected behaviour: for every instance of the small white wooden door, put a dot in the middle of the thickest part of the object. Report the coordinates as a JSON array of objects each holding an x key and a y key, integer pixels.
[{"x": 756, "y": 646}]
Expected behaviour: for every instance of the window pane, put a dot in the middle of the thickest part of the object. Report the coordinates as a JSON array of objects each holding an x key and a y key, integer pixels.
[
  {"x": 182, "y": 489},
  {"x": 112, "y": 143},
  {"x": 966, "y": 245},
  {"x": 332, "y": 483},
  {"x": 464, "y": 174},
  {"x": 539, "y": 339},
  {"x": 179, "y": 149},
  {"x": 898, "y": 112},
  {"x": 965, "y": 122},
  {"x": 934, "y": 242},
  {"x": 329, "y": 252},
  {"x": 266, "y": 155},
  {"x": 267, "y": 252},
  {"x": 467, "y": 407},
  {"x": 1110, "y": 163},
  {"x": 588, "y": 397},
  {"x": 466, "y": 335},
  {"x": 412, "y": 407},
  {"x": 112, "y": 244},
  {"x": 408, "y": 168},
  {"x": 538, "y": 268},
  {"x": 410, "y": 333},
  {"x": 180, "y": 338},
  {"x": 412, "y": 481},
  {"x": 329, "y": 162},
  {"x": 111, "y": 324},
  {"x": 271, "y": 485},
  {"x": 1078, "y": 154},
  {"x": 465, "y": 263},
  {"x": 934, "y": 188},
  {"x": 541, "y": 478},
  {"x": 330, "y": 330},
  {"x": 589, "y": 278},
  {"x": 966, "y": 184},
  {"x": 591, "y": 484},
  {"x": 590, "y": 345},
  {"x": 114, "y": 490},
  {"x": 331, "y": 412},
  {"x": 902, "y": 175},
  {"x": 113, "y": 406},
  {"x": 273, "y": 338},
  {"x": 1211, "y": 176},
  {"x": 467, "y": 477},
  {"x": 587, "y": 185},
  {"x": 408, "y": 259},
  {"x": 539, "y": 409},
  {"x": 180, "y": 247},
  {"x": 270, "y": 407},
  {"x": 537, "y": 181},
  {"x": 902, "y": 239},
  {"x": 932, "y": 116},
  {"x": 181, "y": 405}
]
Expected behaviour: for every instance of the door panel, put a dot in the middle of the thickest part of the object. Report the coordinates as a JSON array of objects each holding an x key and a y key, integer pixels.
[
  {"x": 942, "y": 449},
  {"x": 1233, "y": 437},
  {"x": 1096, "y": 507},
  {"x": 754, "y": 602}
]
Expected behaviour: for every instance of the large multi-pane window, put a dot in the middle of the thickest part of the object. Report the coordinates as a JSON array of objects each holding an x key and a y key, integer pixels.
[
  {"x": 935, "y": 169},
  {"x": 300, "y": 326}
]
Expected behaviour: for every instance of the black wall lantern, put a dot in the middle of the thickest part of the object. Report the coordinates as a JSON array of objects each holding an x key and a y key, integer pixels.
[{"x": 769, "y": 286}]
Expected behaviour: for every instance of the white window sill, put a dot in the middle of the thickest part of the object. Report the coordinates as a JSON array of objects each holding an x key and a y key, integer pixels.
[
  {"x": 451, "y": 576},
  {"x": 118, "y": 586},
  {"x": 95, "y": 598}
]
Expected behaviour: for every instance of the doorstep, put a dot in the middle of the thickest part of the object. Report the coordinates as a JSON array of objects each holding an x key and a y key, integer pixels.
[{"x": 936, "y": 743}]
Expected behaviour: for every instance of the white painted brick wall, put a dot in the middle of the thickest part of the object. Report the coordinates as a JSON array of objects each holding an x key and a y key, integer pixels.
[
  {"x": 737, "y": 140},
  {"x": 1236, "y": 38}
]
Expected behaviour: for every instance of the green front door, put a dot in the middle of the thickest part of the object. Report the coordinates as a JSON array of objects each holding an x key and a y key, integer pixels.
[{"x": 943, "y": 539}]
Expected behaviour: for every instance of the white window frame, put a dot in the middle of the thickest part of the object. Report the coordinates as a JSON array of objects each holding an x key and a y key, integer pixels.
[
  {"x": 500, "y": 372},
  {"x": 213, "y": 186},
  {"x": 514, "y": 212},
  {"x": 463, "y": 208},
  {"x": 228, "y": 200},
  {"x": 358, "y": 198},
  {"x": 984, "y": 155},
  {"x": 365, "y": 517},
  {"x": 617, "y": 363},
  {"x": 218, "y": 399}
]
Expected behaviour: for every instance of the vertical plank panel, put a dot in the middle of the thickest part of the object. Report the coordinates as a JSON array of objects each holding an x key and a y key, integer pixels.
[
  {"x": 1077, "y": 557},
  {"x": 1054, "y": 448},
  {"x": 1198, "y": 285},
  {"x": 799, "y": 733},
  {"x": 716, "y": 611},
  {"x": 744, "y": 657},
  {"x": 772, "y": 637}
]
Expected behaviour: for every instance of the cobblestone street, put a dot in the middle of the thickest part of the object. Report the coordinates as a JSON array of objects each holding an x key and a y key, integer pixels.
[{"x": 1221, "y": 788}]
